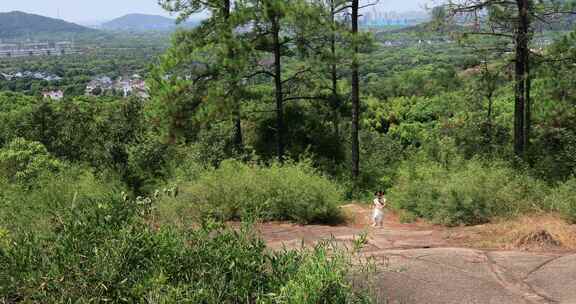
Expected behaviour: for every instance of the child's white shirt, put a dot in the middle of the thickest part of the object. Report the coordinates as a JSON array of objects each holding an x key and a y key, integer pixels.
[{"x": 379, "y": 204}]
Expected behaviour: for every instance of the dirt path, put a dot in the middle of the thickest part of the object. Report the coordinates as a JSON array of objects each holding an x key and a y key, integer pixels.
[{"x": 418, "y": 264}]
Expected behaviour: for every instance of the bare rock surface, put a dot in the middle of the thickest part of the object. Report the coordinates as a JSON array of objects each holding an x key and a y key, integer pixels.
[
  {"x": 556, "y": 278},
  {"x": 417, "y": 265}
]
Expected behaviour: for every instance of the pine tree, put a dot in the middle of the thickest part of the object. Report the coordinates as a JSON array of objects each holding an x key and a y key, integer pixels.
[
  {"x": 227, "y": 63},
  {"x": 277, "y": 34},
  {"x": 355, "y": 7},
  {"x": 517, "y": 21},
  {"x": 330, "y": 49}
]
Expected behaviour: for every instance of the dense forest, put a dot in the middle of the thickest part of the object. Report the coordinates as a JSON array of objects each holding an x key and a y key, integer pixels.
[{"x": 275, "y": 110}]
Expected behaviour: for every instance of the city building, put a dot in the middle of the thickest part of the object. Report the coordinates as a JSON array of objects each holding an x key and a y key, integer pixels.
[{"x": 9, "y": 50}]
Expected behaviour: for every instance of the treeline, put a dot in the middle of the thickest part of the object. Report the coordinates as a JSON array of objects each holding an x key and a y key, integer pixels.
[
  {"x": 306, "y": 50},
  {"x": 310, "y": 51}
]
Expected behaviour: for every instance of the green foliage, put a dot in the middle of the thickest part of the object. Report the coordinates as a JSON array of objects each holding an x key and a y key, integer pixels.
[
  {"x": 380, "y": 156},
  {"x": 293, "y": 191},
  {"x": 212, "y": 145},
  {"x": 309, "y": 134},
  {"x": 147, "y": 164},
  {"x": 318, "y": 279},
  {"x": 5, "y": 240},
  {"x": 553, "y": 153},
  {"x": 423, "y": 81},
  {"x": 32, "y": 209},
  {"x": 103, "y": 250},
  {"x": 563, "y": 199},
  {"x": 22, "y": 161},
  {"x": 105, "y": 133},
  {"x": 448, "y": 190},
  {"x": 415, "y": 120},
  {"x": 173, "y": 104},
  {"x": 13, "y": 110}
]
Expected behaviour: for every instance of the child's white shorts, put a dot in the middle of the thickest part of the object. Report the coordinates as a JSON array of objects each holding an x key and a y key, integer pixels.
[{"x": 378, "y": 215}]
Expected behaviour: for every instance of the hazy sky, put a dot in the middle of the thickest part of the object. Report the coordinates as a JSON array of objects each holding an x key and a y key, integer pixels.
[{"x": 98, "y": 10}]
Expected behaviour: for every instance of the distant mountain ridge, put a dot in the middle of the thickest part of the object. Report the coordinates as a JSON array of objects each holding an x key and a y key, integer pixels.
[
  {"x": 16, "y": 23},
  {"x": 143, "y": 22}
]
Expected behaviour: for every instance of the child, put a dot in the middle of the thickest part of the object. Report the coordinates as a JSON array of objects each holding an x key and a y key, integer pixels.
[{"x": 379, "y": 204}]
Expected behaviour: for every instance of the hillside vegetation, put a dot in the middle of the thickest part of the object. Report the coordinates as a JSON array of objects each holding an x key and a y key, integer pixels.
[{"x": 273, "y": 110}]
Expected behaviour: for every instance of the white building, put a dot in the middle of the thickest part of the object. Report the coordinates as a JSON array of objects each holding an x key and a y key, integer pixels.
[{"x": 53, "y": 95}]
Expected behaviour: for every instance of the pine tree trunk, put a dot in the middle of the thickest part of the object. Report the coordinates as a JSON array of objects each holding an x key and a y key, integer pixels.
[
  {"x": 278, "y": 86},
  {"x": 521, "y": 76},
  {"x": 528, "y": 106},
  {"x": 489, "y": 118},
  {"x": 355, "y": 95},
  {"x": 519, "y": 107},
  {"x": 334, "y": 73},
  {"x": 237, "y": 137},
  {"x": 491, "y": 87}
]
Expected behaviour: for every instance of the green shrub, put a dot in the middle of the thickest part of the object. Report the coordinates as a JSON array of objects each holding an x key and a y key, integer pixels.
[
  {"x": 465, "y": 192},
  {"x": 318, "y": 279},
  {"x": 105, "y": 251},
  {"x": 293, "y": 191},
  {"x": 563, "y": 199},
  {"x": 146, "y": 165},
  {"x": 187, "y": 164},
  {"x": 21, "y": 161}
]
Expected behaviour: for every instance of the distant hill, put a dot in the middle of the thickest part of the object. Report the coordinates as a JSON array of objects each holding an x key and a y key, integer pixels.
[
  {"x": 17, "y": 24},
  {"x": 141, "y": 22}
]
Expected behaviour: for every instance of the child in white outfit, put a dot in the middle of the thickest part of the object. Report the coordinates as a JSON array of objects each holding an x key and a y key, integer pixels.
[{"x": 378, "y": 213}]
